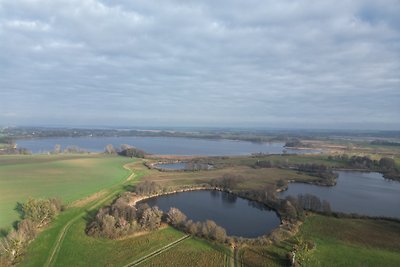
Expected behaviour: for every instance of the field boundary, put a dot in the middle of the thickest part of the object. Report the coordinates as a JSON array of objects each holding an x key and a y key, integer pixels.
[{"x": 157, "y": 252}]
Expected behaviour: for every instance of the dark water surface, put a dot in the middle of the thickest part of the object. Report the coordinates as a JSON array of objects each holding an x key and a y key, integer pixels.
[
  {"x": 239, "y": 217},
  {"x": 160, "y": 145},
  {"x": 356, "y": 192}
]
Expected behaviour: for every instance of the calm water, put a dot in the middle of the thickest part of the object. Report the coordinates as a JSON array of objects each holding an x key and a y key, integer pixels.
[
  {"x": 358, "y": 192},
  {"x": 160, "y": 145},
  {"x": 238, "y": 216},
  {"x": 171, "y": 166}
]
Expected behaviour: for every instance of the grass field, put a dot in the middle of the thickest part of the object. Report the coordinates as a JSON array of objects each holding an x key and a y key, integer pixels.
[
  {"x": 289, "y": 159},
  {"x": 66, "y": 176},
  {"x": 191, "y": 252},
  {"x": 252, "y": 178},
  {"x": 339, "y": 242}
]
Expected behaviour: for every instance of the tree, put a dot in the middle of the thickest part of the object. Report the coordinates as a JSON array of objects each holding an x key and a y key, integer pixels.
[
  {"x": 27, "y": 229},
  {"x": 218, "y": 233},
  {"x": 151, "y": 218},
  {"x": 130, "y": 151},
  {"x": 191, "y": 227},
  {"x": 148, "y": 188},
  {"x": 57, "y": 149},
  {"x": 281, "y": 183},
  {"x": 11, "y": 246},
  {"x": 110, "y": 149},
  {"x": 326, "y": 207},
  {"x": 176, "y": 217},
  {"x": 108, "y": 226},
  {"x": 228, "y": 181},
  {"x": 41, "y": 211},
  {"x": 289, "y": 210},
  {"x": 387, "y": 164}
]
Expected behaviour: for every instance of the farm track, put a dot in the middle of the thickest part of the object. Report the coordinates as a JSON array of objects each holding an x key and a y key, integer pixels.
[
  {"x": 56, "y": 248},
  {"x": 157, "y": 252}
]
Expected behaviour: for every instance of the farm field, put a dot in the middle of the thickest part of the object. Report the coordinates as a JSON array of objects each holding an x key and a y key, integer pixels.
[
  {"x": 339, "y": 242},
  {"x": 192, "y": 252},
  {"x": 70, "y": 177}
]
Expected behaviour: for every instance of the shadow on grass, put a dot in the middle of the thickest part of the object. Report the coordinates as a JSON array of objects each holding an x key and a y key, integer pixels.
[
  {"x": 90, "y": 215},
  {"x": 129, "y": 187},
  {"x": 20, "y": 210},
  {"x": 3, "y": 232}
]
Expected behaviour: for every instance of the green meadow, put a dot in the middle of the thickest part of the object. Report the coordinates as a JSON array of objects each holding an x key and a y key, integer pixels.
[
  {"x": 339, "y": 242},
  {"x": 69, "y": 177}
]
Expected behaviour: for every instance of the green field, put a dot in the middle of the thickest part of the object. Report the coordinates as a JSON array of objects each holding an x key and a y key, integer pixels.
[
  {"x": 69, "y": 177},
  {"x": 339, "y": 242},
  {"x": 191, "y": 252}
]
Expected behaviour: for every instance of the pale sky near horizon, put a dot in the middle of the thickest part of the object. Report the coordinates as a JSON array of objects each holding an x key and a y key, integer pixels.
[{"x": 302, "y": 64}]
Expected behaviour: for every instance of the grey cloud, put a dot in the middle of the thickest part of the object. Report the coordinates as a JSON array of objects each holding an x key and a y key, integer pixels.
[{"x": 278, "y": 63}]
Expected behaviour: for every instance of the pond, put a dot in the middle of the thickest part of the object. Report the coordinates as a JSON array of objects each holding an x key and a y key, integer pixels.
[
  {"x": 171, "y": 166},
  {"x": 239, "y": 217},
  {"x": 161, "y": 145},
  {"x": 356, "y": 192}
]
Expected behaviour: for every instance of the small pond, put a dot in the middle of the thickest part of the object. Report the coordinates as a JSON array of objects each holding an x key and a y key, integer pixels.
[
  {"x": 366, "y": 193},
  {"x": 239, "y": 217},
  {"x": 171, "y": 166}
]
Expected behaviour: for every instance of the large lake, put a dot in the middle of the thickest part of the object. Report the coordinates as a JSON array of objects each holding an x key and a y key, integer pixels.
[
  {"x": 160, "y": 145},
  {"x": 356, "y": 192},
  {"x": 239, "y": 217}
]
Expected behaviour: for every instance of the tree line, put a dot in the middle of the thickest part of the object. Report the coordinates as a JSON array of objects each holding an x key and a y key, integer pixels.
[
  {"x": 208, "y": 229},
  {"x": 35, "y": 214},
  {"x": 125, "y": 150}
]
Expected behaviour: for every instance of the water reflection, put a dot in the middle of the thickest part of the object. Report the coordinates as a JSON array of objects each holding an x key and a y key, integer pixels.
[
  {"x": 238, "y": 216},
  {"x": 161, "y": 145},
  {"x": 356, "y": 192}
]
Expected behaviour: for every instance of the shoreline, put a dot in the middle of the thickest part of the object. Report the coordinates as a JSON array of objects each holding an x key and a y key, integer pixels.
[{"x": 284, "y": 225}]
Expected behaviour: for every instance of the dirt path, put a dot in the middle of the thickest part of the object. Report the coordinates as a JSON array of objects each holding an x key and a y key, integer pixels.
[
  {"x": 157, "y": 252},
  {"x": 130, "y": 177},
  {"x": 56, "y": 248}
]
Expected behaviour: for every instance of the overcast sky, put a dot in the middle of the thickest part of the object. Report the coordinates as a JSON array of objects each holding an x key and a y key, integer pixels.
[{"x": 282, "y": 63}]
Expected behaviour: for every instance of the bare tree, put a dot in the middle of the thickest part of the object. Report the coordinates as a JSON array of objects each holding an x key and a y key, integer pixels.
[
  {"x": 57, "y": 149},
  {"x": 110, "y": 149}
]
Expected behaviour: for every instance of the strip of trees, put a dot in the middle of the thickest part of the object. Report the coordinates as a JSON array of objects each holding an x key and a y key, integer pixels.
[
  {"x": 208, "y": 229},
  {"x": 125, "y": 150},
  {"x": 35, "y": 214},
  {"x": 12, "y": 150},
  {"x": 227, "y": 181}
]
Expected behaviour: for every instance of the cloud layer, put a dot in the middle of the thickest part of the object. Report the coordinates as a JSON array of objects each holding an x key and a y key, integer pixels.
[{"x": 259, "y": 63}]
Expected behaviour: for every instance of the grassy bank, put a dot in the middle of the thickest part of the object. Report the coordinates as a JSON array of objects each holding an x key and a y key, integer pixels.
[{"x": 339, "y": 242}]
